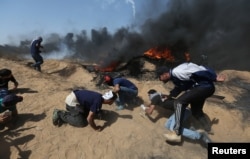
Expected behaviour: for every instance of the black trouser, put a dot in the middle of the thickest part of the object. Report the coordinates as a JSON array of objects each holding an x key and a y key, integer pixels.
[
  {"x": 168, "y": 104},
  {"x": 196, "y": 98},
  {"x": 73, "y": 117},
  {"x": 39, "y": 60}
]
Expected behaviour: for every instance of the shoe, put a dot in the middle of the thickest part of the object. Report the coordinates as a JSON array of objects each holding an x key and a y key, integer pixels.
[
  {"x": 204, "y": 139},
  {"x": 172, "y": 137},
  {"x": 120, "y": 107},
  {"x": 55, "y": 117},
  {"x": 38, "y": 69}
]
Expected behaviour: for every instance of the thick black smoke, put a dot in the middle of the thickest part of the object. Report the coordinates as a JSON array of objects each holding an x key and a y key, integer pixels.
[{"x": 217, "y": 29}]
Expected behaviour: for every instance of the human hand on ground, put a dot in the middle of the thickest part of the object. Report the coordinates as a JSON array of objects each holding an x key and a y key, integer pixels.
[{"x": 98, "y": 128}]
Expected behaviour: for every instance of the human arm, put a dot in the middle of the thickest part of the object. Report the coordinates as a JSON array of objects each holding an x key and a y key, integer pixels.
[
  {"x": 39, "y": 47},
  {"x": 174, "y": 92},
  {"x": 12, "y": 78},
  {"x": 91, "y": 121},
  {"x": 149, "y": 110},
  {"x": 116, "y": 88},
  {"x": 3, "y": 119}
]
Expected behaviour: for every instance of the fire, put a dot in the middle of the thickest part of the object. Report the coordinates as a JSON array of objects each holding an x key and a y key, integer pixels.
[
  {"x": 156, "y": 53},
  {"x": 109, "y": 68}
]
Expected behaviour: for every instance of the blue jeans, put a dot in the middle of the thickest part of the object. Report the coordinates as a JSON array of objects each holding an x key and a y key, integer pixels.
[
  {"x": 125, "y": 94},
  {"x": 191, "y": 134}
]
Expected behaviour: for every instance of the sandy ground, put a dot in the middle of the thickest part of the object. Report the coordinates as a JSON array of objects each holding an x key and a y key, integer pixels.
[{"x": 126, "y": 135}]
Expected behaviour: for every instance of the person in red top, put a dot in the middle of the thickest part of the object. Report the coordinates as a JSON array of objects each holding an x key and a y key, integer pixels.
[{"x": 82, "y": 105}]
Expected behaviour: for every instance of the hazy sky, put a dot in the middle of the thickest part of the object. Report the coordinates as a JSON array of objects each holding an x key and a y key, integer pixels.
[{"x": 28, "y": 18}]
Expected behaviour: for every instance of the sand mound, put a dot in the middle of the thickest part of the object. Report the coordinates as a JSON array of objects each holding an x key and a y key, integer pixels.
[{"x": 126, "y": 134}]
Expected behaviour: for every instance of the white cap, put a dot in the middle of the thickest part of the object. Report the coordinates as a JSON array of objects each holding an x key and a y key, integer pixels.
[{"x": 108, "y": 95}]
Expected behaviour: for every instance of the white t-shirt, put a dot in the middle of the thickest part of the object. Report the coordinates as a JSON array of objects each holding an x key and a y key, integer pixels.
[{"x": 71, "y": 100}]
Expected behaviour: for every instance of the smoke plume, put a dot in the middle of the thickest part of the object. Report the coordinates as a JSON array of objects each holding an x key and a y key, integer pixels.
[{"x": 218, "y": 30}]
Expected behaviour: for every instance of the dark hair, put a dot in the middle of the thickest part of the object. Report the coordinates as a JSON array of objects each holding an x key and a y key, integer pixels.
[
  {"x": 161, "y": 70},
  {"x": 152, "y": 91},
  {"x": 5, "y": 72}
]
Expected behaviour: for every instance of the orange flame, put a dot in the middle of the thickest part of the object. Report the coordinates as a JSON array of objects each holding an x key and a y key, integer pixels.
[
  {"x": 156, "y": 53},
  {"x": 109, "y": 68}
]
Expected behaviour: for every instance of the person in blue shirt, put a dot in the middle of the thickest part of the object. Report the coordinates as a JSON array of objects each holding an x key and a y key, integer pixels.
[
  {"x": 35, "y": 50},
  {"x": 126, "y": 90},
  {"x": 197, "y": 84},
  {"x": 82, "y": 106},
  {"x": 8, "y": 110}
]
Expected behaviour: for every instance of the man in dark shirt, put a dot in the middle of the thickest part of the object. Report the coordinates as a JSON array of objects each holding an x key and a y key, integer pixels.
[
  {"x": 126, "y": 90},
  {"x": 35, "y": 51},
  {"x": 5, "y": 77},
  {"x": 82, "y": 105}
]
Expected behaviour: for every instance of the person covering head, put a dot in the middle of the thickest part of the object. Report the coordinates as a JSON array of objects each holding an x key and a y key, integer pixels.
[{"x": 11, "y": 99}]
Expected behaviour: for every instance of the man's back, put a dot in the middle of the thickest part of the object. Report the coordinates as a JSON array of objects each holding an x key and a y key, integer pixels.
[
  {"x": 89, "y": 99},
  {"x": 34, "y": 49},
  {"x": 124, "y": 82}
]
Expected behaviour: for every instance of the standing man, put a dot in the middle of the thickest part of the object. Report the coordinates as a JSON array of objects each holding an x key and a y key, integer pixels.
[
  {"x": 82, "y": 105},
  {"x": 197, "y": 84},
  {"x": 35, "y": 51},
  {"x": 126, "y": 90}
]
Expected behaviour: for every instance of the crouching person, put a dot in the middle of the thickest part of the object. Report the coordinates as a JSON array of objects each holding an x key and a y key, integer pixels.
[
  {"x": 82, "y": 106},
  {"x": 158, "y": 99},
  {"x": 8, "y": 110}
]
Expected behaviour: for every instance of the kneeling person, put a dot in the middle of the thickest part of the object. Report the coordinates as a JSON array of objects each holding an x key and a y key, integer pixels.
[
  {"x": 8, "y": 110},
  {"x": 82, "y": 105}
]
